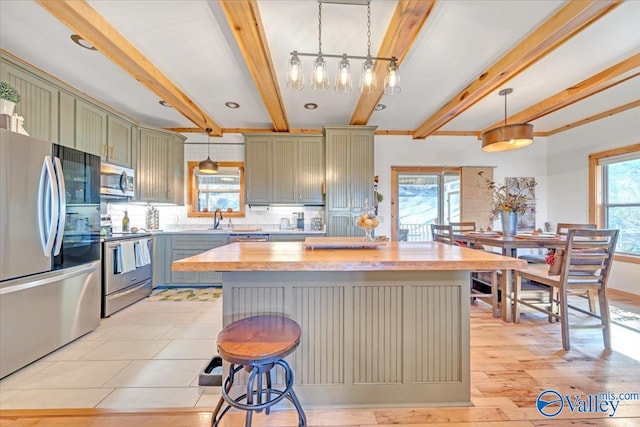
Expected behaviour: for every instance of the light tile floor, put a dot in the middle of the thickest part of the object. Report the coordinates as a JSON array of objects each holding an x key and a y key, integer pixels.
[{"x": 148, "y": 355}]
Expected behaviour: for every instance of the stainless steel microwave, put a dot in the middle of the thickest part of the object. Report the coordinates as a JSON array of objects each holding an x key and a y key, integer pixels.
[{"x": 117, "y": 181}]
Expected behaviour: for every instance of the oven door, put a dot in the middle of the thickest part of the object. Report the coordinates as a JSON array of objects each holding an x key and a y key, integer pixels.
[{"x": 114, "y": 278}]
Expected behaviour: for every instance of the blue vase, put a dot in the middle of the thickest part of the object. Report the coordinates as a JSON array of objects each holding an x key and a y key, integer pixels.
[{"x": 509, "y": 223}]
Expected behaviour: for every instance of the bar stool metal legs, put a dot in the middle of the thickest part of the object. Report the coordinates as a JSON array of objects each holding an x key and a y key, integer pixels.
[{"x": 252, "y": 400}]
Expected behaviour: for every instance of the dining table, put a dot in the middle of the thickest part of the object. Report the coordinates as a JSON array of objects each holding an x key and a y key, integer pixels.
[{"x": 509, "y": 246}]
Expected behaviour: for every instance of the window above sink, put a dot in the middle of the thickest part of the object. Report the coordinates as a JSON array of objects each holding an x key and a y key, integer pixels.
[{"x": 224, "y": 191}]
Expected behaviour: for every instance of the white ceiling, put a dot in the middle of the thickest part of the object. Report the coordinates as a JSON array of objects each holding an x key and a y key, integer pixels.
[{"x": 192, "y": 44}]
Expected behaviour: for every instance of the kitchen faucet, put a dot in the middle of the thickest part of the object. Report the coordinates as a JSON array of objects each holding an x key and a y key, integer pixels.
[{"x": 217, "y": 219}]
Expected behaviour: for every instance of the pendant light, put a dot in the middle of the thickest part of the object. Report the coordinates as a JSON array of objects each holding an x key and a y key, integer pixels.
[
  {"x": 507, "y": 137},
  {"x": 208, "y": 166}
]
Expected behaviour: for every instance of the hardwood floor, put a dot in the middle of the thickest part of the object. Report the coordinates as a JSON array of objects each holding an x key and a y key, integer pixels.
[{"x": 510, "y": 365}]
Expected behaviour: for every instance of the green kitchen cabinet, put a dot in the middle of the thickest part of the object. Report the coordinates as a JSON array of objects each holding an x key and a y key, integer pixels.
[
  {"x": 159, "y": 259},
  {"x": 285, "y": 169},
  {"x": 119, "y": 145},
  {"x": 349, "y": 171},
  {"x": 159, "y": 167},
  {"x": 91, "y": 128},
  {"x": 39, "y": 101},
  {"x": 292, "y": 237},
  {"x": 189, "y": 244},
  {"x": 258, "y": 169}
]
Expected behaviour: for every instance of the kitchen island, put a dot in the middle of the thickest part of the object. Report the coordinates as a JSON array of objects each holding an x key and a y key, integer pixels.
[{"x": 380, "y": 326}]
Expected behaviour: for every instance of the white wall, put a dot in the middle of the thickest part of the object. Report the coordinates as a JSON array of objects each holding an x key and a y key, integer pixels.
[
  {"x": 568, "y": 174},
  {"x": 457, "y": 151}
]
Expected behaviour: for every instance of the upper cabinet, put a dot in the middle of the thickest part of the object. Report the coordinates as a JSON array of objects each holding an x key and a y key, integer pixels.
[
  {"x": 160, "y": 167},
  {"x": 285, "y": 169},
  {"x": 119, "y": 145},
  {"x": 350, "y": 170},
  {"x": 39, "y": 103},
  {"x": 91, "y": 129}
]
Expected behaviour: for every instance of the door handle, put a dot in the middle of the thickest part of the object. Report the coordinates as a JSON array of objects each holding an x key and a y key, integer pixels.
[
  {"x": 48, "y": 206},
  {"x": 62, "y": 207}
]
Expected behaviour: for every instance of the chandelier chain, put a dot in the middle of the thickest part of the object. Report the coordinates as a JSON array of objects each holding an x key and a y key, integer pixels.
[
  {"x": 319, "y": 27},
  {"x": 369, "y": 28}
]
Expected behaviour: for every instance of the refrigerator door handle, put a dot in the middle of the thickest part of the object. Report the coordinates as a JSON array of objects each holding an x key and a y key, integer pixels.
[
  {"x": 62, "y": 207},
  {"x": 47, "y": 214}
]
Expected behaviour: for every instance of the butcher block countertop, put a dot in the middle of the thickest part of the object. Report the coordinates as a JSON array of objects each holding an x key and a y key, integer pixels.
[{"x": 293, "y": 256}]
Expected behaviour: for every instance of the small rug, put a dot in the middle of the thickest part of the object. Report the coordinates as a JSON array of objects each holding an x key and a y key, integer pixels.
[
  {"x": 186, "y": 294},
  {"x": 624, "y": 318}
]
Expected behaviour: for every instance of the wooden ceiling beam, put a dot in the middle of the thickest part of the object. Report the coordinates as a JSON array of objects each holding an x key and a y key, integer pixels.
[
  {"x": 595, "y": 117},
  {"x": 84, "y": 20},
  {"x": 406, "y": 23},
  {"x": 603, "y": 80},
  {"x": 568, "y": 21},
  {"x": 245, "y": 23}
]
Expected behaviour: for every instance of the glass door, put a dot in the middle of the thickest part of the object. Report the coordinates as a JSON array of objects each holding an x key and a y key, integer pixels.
[{"x": 423, "y": 196}]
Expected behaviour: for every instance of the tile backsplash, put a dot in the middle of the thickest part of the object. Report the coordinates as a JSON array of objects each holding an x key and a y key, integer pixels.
[{"x": 175, "y": 217}]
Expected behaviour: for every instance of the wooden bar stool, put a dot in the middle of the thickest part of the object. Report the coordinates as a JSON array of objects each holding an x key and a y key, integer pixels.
[{"x": 258, "y": 344}]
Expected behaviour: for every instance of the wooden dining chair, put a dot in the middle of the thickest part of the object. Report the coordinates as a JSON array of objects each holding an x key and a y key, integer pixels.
[
  {"x": 444, "y": 234},
  {"x": 588, "y": 256},
  {"x": 463, "y": 226}
]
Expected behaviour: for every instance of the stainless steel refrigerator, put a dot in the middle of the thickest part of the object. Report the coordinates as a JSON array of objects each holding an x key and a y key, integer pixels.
[{"x": 50, "y": 284}]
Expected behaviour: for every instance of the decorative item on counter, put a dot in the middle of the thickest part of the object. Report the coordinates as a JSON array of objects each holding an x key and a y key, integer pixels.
[
  {"x": 9, "y": 97},
  {"x": 368, "y": 220},
  {"x": 510, "y": 201},
  {"x": 125, "y": 222},
  {"x": 300, "y": 221}
]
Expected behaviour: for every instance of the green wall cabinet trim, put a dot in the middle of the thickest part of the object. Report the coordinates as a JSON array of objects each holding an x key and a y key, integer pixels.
[
  {"x": 67, "y": 119},
  {"x": 160, "y": 167},
  {"x": 39, "y": 102},
  {"x": 284, "y": 169},
  {"x": 349, "y": 176}
]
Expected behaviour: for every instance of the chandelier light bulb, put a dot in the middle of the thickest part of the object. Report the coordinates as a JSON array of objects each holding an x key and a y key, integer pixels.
[
  {"x": 343, "y": 78},
  {"x": 295, "y": 78},
  {"x": 368, "y": 81},
  {"x": 392, "y": 79},
  {"x": 320, "y": 77}
]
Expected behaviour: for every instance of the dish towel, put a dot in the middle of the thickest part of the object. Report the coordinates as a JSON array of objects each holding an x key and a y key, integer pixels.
[
  {"x": 128, "y": 256},
  {"x": 117, "y": 260},
  {"x": 143, "y": 257}
]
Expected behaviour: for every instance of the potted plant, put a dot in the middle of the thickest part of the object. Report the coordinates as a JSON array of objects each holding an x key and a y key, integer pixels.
[
  {"x": 509, "y": 202},
  {"x": 9, "y": 97}
]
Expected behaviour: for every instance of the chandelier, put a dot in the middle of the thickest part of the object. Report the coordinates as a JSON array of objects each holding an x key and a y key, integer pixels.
[
  {"x": 507, "y": 137},
  {"x": 343, "y": 81}
]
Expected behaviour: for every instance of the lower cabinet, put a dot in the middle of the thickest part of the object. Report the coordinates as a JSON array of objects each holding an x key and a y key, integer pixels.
[
  {"x": 293, "y": 237},
  {"x": 178, "y": 246}
]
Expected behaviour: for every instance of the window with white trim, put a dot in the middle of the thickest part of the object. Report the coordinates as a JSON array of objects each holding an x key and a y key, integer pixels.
[{"x": 620, "y": 180}]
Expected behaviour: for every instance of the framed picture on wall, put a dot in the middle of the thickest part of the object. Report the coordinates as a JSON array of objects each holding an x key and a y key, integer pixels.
[{"x": 526, "y": 221}]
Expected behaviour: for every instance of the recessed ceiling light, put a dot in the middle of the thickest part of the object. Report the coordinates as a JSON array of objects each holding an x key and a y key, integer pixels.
[
  {"x": 164, "y": 103},
  {"x": 310, "y": 106},
  {"x": 380, "y": 107},
  {"x": 231, "y": 104},
  {"x": 82, "y": 42}
]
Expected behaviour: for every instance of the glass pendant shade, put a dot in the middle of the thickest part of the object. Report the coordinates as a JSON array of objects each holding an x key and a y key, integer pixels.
[
  {"x": 343, "y": 78},
  {"x": 320, "y": 76},
  {"x": 392, "y": 79},
  {"x": 295, "y": 77},
  {"x": 368, "y": 81}
]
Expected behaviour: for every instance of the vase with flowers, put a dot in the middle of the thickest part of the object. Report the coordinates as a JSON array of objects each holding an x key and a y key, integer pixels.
[{"x": 510, "y": 201}]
